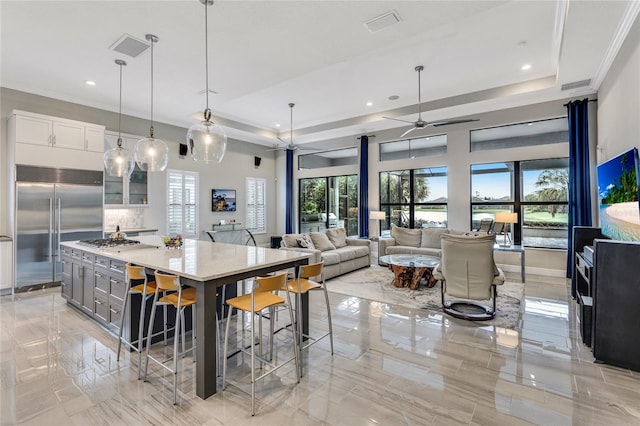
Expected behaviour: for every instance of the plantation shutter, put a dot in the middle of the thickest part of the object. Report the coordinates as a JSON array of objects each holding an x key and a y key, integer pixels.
[
  {"x": 256, "y": 210},
  {"x": 182, "y": 198}
]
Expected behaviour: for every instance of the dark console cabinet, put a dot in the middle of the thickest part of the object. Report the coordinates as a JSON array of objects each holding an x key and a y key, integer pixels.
[
  {"x": 616, "y": 303},
  {"x": 582, "y": 236}
]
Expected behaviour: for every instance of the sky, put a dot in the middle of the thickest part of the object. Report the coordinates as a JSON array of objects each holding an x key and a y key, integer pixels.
[{"x": 610, "y": 171}]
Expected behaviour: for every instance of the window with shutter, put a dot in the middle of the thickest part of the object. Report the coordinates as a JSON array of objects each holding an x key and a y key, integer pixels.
[
  {"x": 182, "y": 200},
  {"x": 256, "y": 209}
]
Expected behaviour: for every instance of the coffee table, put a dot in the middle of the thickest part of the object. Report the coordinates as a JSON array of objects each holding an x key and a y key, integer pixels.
[{"x": 409, "y": 269}]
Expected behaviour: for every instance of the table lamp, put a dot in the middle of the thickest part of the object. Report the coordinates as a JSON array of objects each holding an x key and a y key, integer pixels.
[
  {"x": 378, "y": 216},
  {"x": 506, "y": 217}
]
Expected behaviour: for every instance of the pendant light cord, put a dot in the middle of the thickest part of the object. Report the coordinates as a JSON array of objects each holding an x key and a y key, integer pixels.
[
  {"x": 153, "y": 40},
  {"x": 419, "y": 97},
  {"x": 206, "y": 57},
  {"x": 120, "y": 63}
]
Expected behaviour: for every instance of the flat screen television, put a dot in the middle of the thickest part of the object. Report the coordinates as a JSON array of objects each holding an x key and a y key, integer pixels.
[
  {"x": 618, "y": 188},
  {"x": 223, "y": 200}
]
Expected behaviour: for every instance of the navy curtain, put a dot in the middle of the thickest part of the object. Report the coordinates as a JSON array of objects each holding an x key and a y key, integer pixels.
[
  {"x": 289, "y": 193},
  {"x": 363, "y": 201},
  {"x": 579, "y": 181}
]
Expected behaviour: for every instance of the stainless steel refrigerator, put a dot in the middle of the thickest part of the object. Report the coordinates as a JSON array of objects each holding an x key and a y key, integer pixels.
[{"x": 53, "y": 206}]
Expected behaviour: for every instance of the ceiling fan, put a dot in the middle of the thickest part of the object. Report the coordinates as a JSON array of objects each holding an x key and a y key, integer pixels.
[
  {"x": 420, "y": 123},
  {"x": 291, "y": 146}
]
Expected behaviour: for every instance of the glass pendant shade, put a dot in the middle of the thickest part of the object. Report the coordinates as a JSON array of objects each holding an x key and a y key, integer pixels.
[
  {"x": 119, "y": 161},
  {"x": 207, "y": 142},
  {"x": 151, "y": 154}
]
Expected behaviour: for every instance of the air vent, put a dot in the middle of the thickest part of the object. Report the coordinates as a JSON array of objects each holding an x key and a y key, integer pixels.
[
  {"x": 383, "y": 21},
  {"x": 130, "y": 46},
  {"x": 576, "y": 84}
]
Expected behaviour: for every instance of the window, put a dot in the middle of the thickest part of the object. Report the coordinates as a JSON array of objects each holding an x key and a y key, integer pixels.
[
  {"x": 332, "y": 158},
  {"x": 414, "y": 198},
  {"x": 412, "y": 148},
  {"x": 536, "y": 189},
  {"x": 182, "y": 197},
  {"x": 542, "y": 132},
  {"x": 329, "y": 202},
  {"x": 256, "y": 209}
]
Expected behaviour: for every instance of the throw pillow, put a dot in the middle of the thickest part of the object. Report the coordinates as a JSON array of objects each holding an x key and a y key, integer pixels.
[
  {"x": 406, "y": 237},
  {"x": 291, "y": 240},
  {"x": 305, "y": 241},
  {"x": 431, "y": 237},
  {"x": 321, "y": 241},
  {"x": 338, "y": 237}
]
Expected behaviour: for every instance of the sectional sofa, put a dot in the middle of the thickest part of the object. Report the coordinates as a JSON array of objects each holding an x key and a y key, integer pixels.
[
  {"x": 339, "y": 253},
  {"x": 424, "y": 241}
]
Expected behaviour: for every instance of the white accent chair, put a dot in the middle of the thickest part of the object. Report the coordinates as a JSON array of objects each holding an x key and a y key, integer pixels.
[{"x": 467, "y": 271}]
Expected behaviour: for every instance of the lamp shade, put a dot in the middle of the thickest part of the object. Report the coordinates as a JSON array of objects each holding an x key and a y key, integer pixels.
[
  {"x": 506, "y": 217},
  {"x": 377, "y": 215}
]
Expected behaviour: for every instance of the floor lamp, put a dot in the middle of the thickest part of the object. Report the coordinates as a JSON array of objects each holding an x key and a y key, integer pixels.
[
  {"x": 377, "y": 216},
  {"x": 506, "y": 217}
]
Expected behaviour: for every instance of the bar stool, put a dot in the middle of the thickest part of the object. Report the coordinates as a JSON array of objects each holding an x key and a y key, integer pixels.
[
  {"x": 302, "y": 285},
  {"x": 179, "y": 299},
  {"x": 262, "y": 297},
  {"x": 146, "y": 290}
]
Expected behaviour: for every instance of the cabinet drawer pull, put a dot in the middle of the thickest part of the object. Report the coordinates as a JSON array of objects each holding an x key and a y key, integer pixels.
[
  {"x": 98, "y": 302},
  {"x": 115, "y": 311}
]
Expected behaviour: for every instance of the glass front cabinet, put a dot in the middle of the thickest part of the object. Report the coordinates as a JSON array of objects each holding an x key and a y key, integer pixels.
[{"x": 122, "y": 191}]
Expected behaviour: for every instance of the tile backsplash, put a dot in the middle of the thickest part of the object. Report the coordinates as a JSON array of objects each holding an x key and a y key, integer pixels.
[{"x": 126, "y": 218}]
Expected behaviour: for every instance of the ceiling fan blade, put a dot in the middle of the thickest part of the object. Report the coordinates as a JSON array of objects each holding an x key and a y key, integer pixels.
[
  {"x": 306, "y": 148},
  {"x": 397, "y": 119},
  {"x": 275, "y": 149},
  {"x": 448, "y": 122},
  {"x": 284, "y": 142},
  {"x": 408, "y": 131}
]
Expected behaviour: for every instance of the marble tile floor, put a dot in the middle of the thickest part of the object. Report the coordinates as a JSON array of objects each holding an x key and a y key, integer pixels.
[{"x": 392, "y": 366}]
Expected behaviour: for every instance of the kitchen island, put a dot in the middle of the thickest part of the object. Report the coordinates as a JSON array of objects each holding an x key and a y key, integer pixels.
[{"x": 201, "y": 264}]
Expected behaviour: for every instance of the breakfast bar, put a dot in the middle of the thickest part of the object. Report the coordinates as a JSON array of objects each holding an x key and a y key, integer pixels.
[{"x": 205, "y": 266}]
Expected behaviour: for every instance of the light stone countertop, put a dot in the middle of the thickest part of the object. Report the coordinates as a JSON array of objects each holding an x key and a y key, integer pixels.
[{"x": 197, "y": 260}]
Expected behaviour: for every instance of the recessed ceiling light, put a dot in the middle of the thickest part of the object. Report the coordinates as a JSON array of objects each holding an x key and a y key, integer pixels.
[
  {"x": 529, "y": 124},
  {"x": 90, "y": 82},
  {"x": 369, "y": 103},
  {"x": 525, "y": 67},
  {"x": 277, "y": 125},
  {"x": 394, "y": 97}
]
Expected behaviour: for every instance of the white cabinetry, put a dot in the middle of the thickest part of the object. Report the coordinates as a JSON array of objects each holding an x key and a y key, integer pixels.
[
  {"x": 68, "y": 135},
  {"x": 42, "y": 140},
  {"x": 33, "y": 130},
  {"x": 94, "y": 137}
]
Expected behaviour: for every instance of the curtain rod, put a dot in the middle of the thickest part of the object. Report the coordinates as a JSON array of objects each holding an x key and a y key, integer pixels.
[{"x": 588, "y": 100}]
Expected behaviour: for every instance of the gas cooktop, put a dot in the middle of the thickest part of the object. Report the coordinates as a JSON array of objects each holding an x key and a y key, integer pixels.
[{"x": 108, "y": 242}]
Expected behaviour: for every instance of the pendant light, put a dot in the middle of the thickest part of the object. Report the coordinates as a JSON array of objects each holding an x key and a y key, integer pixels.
[
  {"x": 152, "y": 154},
  {"x": 206, "y": 140},
  {"x": 118, "y": 161}
]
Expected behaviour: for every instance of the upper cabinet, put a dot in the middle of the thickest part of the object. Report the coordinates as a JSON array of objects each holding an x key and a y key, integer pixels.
[
  {"x": 131, "y": 191},
  {"x": 42, "y": 140},
  {"x": 56, "y": 132}
]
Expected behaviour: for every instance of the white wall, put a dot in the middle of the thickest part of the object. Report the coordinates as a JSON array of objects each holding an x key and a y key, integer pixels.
[{"x": 619, "y": 100}]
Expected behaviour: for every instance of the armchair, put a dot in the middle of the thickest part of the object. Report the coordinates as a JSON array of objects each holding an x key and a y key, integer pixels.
[{"x": 467, "y": 271}]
